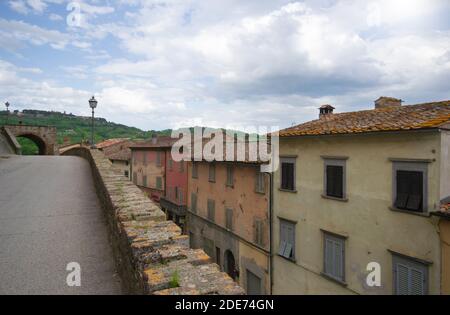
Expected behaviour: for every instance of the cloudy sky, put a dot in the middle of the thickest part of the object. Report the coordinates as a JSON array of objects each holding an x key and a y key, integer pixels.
[{"x": 173, "y": 63}]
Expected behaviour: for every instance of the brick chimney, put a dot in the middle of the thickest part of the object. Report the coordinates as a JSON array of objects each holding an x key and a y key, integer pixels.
[
  {"x": 325, "y": 110},
  {"x": 387, "y": 102}
]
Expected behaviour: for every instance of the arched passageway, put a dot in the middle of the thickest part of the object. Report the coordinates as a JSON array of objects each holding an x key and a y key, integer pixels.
[
  {"x": 38, "y": 141},
  {"x": 230, "y": 265}
]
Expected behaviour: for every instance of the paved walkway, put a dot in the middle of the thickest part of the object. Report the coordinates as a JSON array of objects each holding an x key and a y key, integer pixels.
[{"x": 50, "y": 216}]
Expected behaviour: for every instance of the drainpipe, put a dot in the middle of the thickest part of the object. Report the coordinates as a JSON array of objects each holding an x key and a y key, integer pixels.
[{"x": 271, "y": 231}]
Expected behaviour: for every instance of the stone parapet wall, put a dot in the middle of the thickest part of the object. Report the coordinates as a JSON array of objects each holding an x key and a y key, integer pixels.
[{"x": 152, "y": 255}]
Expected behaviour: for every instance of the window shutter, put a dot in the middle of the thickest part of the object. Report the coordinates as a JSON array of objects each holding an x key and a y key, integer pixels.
[
  {"x": 211, "y": 210},
  {"x": 282, "y": 248},
  {"x": 329, "y": 257},
  {"x": 417, "y": 281},
  {"x": 402, "y": 279},
  {"x": 409, "y": 190},
  {"x": 290, "y": 176},
  {"x": 193, "y": 202},
  {"x": 229, "y": 219},
  {"x": 338, "y": 272},
  {"x": 283, "y": 176}
]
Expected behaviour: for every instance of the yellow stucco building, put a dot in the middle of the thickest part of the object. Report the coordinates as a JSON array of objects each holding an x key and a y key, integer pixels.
[{"x": 353, "y": 197}]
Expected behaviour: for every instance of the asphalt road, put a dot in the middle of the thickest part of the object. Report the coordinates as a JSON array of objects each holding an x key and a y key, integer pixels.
[{"x": 50, "y": 216}]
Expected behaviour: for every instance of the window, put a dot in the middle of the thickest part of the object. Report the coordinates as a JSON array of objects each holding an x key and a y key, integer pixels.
[
  {"x": 126, "y": 173},
  {"x": 253, "y": 284},
  {"x": 144, "y": 181},
  {"x": 144, "y": 158},
  {"x": 288, "y": 174},
  {"x": 158, "y": 158},
  {"x": 212, "y": 172},
  {"x": 218, "y": 256},
  {"x": 158, "y": 182},
  {"x": 334, "y": 179},
  {"x": 170, "y": 163},
  {"x": 192, "y": 242},
  {"x": 229, "y": 175},
  {"x": 208, "y": 246},
  {"x": 287, "y": 239},
  {"x": 410, "y": 276},
  {"x": 211, "y": 210},
  {"x": 180, "y": 195},
  {"x": 181, "y": 165},
  {"x": 259, "y": 182},
  {"x": 135, "y": 178},
  {"x": 259, "y": 232},
  {"x": 194, "y": 170},
  {"x": 194, "y": 202},
  {"x": 334, "y": 263},
  {"x": 127, "y": 163},
  {"x": 410, "y": 186},
  {"x": 229, "y": 218}
]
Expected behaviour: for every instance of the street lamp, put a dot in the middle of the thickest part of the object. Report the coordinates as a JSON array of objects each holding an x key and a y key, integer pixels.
[
  {"x": 7, "y": 111},
  {"x": 93, "y": 105}
]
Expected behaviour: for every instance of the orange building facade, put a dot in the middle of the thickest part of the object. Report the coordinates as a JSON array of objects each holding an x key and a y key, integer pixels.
[{"x": 228, "y": 216}]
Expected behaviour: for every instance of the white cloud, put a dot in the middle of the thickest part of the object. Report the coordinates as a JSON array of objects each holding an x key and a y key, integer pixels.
[
  {"x": 18, "y": 6},
  {"x": 37, "y": 5},
  {"x": 55, "y": 17}
]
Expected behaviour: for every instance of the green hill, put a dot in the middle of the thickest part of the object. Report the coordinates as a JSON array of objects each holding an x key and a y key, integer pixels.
[{"x": 73, "y": 129}]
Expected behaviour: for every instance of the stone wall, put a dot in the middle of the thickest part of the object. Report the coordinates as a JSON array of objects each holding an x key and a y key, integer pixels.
[{"x": 152, "y": 255}]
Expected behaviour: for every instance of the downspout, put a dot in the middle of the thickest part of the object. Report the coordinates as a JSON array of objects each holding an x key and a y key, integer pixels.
[{"x": 271, "y": 231}]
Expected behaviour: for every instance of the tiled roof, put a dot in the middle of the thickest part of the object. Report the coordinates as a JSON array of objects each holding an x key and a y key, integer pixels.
[
  {"x": 161, "y": 142},
  {"x": 110, "y": 142},
  {"x": 123, "y": 155},
  {"x": 411, "y": 117}
]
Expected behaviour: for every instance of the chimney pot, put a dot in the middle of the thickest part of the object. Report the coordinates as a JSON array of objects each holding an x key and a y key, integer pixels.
[
  {"x": 387, "y": 102},
  {"x": 325, "y": 110}
]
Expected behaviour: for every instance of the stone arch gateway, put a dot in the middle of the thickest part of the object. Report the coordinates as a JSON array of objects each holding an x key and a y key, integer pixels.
[{"x": 43, "y": 136}]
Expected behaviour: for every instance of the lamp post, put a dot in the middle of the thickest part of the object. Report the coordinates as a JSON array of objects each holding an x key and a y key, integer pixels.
[
  {"x": 93, "y": 105},
  {"x": 7, "y": 112}
]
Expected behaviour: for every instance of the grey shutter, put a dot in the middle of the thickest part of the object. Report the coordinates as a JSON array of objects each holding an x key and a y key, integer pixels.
[
  {"x": 193, "y": 202},
  {"x": 287, "y": 239},
  {"x": 417, "y": 281},
  {"x": 229, "y": 218},
  {"x": 329, "y": 257},
  {"x": 338, "y": 248},
  {"x": 282, "y": 248},
  {"x": 402, "y": 279},
  {"x": 410, "y": 276},
  {"x": 282, "y": 238}
]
